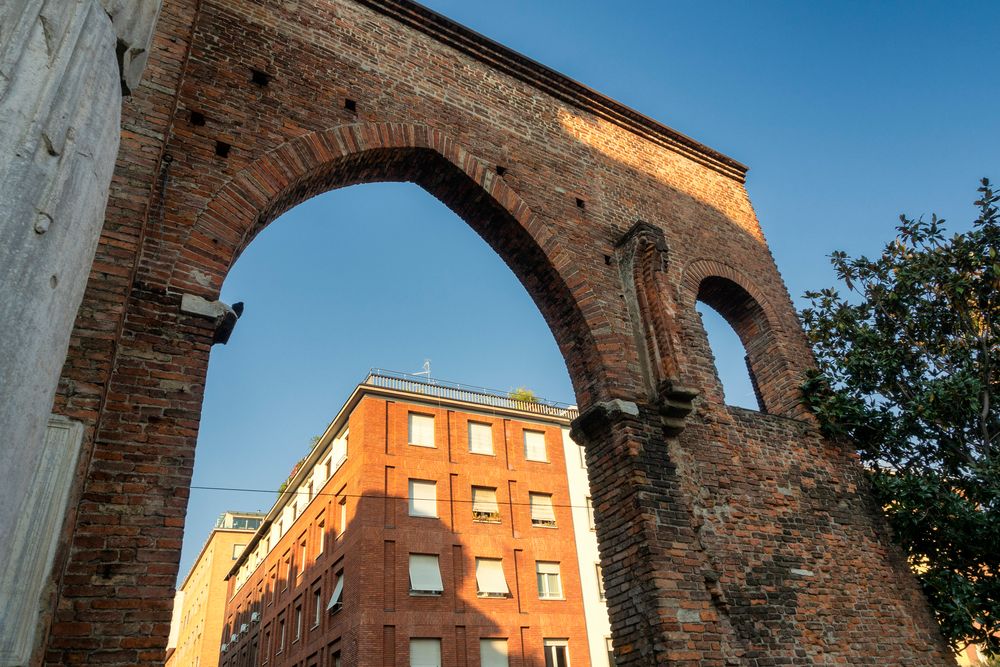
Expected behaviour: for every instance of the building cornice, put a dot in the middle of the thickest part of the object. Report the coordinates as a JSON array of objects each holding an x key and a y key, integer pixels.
[{"x": 551, "y": 82}]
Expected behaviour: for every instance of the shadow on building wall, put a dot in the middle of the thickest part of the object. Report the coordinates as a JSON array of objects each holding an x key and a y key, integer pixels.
[{"x": 370, "y": 596}]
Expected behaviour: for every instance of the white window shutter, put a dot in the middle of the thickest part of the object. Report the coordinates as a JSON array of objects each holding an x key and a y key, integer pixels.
[
  {"x": 484, "y": 500},
  {"x": 423, "y": 498},
  {"x": 421, "y": 429},
  {"x": 480, "y": 438},
  {"x": 534, "y": 446},
  {"x": 541, "y": 508},
  {"x": 489, "y": 576},
  {"x": 338, "y": 592},
  {"x": 425, "y": 653},
  {"x": 425, "y": 574},
  {"x": 493, "y": 653}
]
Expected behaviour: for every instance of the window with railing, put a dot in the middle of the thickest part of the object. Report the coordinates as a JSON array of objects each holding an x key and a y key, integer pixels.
[{"x": 484, "y": 505}]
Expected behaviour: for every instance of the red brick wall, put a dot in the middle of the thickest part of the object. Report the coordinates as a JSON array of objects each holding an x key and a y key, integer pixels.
[{"x": 443, "y": 108}]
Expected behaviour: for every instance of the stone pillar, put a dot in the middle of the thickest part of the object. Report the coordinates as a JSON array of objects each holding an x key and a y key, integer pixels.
[
  {"x": 662, "y": 593},
  {"x": 63, "y": 67},
  {"x": 26, "y": 569}
]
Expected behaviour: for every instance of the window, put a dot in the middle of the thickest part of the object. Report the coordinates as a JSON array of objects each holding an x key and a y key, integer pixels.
[
  {"x": 317, "y": 605},
  {"x": 611, "y": 652},
  {"x": 281, "y": 636},
  {"x": 556, "y": 653},
  {"x": 583, "y": 456},
  {"x": 303, "y": 556},
  {"x": 484, "y": 505},
  {"x": 320, "y": 537},
  {"x": 425, "y": 653},
  {"x": 490, "y": 581},
  {"x": 343, "y": 516},
  {"x": 336, "y": 600},
  {"x": 245, "y": 523},
  {"x": 310, "y": 492},
  {"x": 421, "y": 430},
  {"x": 493, "y": 653},
  {"x": 740, "y": 340},
  {"x": 590, "y": 513},
  {"x": 289, "y": 574},
  {"x": 534, "y": 446},
  {"x": 298, "y": 622},
  {"x": 425, "y": 575},
  {"x": 237, "y": 550},
  {"x": 549, "y": 584},
  {"x": 337, "y": 662},
  {"x": 267, "y": 644},
  {"x": 600, "y": 581},
  {"x": 541, "y": 510},
  {"x": 480, "y": 438},
  {"x": 338, "y": 454},
  {"x": 274, "y": 585},
  {"x": 423, "y": 498}
]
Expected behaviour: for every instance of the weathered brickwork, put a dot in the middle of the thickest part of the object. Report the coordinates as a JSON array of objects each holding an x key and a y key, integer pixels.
[{"x": 745, "y": 540}]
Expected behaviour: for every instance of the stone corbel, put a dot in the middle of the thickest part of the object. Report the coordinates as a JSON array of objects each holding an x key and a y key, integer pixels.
[
  {"x": 594, "y": 422},
  {"x": 674, "y": 403},
  {"x": 225, "y": 316}
]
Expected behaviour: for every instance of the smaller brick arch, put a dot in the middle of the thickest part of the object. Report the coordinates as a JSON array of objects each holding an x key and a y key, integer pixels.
[{"x": 744, "y": 307}]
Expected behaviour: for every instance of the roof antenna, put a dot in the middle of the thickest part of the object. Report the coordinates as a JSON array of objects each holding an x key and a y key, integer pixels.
[{"x": 426, "y": 371}]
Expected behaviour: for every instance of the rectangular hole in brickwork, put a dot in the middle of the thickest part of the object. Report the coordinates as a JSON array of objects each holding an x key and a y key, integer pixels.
[
  {"x": 501, "y": 170},
  {"x": 222, "y": 148},
  {"x": 580, "y": 203},
  {"x": 607, "y": 260},
  {"x": 350, "y": 105},
  {"x": 197, "y": 118},
  {"x": 259, "y": 77}
]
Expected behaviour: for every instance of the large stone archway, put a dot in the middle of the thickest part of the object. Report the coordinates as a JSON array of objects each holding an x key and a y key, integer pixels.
[{"x": 728, "y": 536}]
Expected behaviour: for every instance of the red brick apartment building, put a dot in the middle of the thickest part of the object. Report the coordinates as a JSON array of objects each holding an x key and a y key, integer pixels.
[{"x": 430, "y": 525}]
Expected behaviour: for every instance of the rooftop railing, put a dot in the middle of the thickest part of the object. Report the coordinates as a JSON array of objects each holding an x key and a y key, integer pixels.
[{"x": 379, "y": 377}]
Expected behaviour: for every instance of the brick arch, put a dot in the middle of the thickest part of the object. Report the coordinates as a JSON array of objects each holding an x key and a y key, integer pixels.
[
  {"x": 376, "y": 152},
  {"x": 734, "y": 296}
]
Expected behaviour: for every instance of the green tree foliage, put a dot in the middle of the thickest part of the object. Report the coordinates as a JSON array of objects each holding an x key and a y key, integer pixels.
[
  {"x": 523, "y": 394},
  {"x": 908, "y": 369}
]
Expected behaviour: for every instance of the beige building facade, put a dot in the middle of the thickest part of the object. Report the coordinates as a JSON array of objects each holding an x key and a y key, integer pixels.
[{"x": 201, "y": 600}]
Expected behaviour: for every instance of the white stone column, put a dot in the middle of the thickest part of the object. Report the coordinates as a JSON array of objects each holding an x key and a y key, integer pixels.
[
  {"x": 32, "y": 545},
  {"x": 62, "y": 67}
]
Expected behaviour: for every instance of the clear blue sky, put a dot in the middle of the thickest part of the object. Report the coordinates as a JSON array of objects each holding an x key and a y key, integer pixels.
[{"x": 848, "y": 113}]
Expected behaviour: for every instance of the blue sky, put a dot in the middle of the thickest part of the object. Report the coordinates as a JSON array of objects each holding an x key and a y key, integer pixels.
[{"x": 848, "y": 113}]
